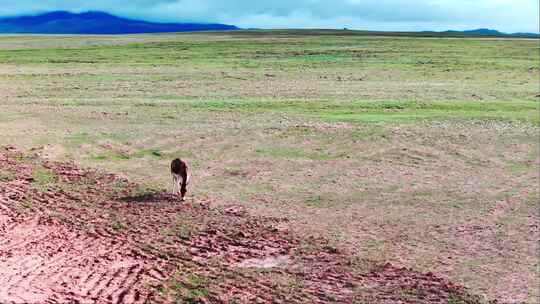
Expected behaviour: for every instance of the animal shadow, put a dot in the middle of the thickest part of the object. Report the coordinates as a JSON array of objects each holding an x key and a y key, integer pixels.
[{"x": 150, "y": 197}]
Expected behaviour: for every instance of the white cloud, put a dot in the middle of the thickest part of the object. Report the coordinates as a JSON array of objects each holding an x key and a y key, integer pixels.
[{"x": 504, "y": 15}]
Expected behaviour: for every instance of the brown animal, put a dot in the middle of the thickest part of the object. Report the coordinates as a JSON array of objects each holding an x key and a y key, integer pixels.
[{"x": 180, "y": 177}]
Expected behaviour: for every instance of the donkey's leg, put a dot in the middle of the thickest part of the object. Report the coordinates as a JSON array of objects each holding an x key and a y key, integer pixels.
[
  {"x": 174, "y": 185},
  {"x": 183, "y": 189}
]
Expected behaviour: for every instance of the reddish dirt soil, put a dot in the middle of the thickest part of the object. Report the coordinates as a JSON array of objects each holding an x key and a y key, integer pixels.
[
  {"x": 95, "y": 237},
  {"x": 43, "y": 262}
]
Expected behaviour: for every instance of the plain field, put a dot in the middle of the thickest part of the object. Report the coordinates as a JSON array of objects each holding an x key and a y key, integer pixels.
[{"x": 419, "y": 151}]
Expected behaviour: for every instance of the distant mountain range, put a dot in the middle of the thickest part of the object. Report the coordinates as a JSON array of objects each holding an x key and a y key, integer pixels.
[
  {"x": 61, "y": 22},
  {"x": 490, "y": 32},
  {"x": 94, "y": 22}
]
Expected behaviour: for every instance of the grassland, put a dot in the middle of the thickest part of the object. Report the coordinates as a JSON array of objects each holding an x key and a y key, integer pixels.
[{"x": 419, "y": 151}]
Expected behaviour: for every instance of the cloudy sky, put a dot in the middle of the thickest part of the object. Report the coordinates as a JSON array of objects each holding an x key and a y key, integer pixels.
[{"x": 503, "y": 15}]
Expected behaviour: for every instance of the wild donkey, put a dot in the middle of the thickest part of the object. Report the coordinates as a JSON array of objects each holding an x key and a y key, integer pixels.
[{"x": 180, "y": 177}]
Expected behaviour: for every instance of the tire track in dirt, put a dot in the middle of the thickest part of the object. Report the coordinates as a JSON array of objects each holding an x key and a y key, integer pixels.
[
  {"x": 43, "y": 262},
  {"x": 103, "y": 242}
]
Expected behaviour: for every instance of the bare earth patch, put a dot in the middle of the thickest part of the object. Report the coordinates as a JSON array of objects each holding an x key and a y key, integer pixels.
[
  {"x": 89, "y": 236},
  {"x": 47, "y": 262}
]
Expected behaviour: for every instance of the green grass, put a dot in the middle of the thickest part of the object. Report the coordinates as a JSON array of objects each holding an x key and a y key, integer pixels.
[
  {"x": 383, "y": 111},
  {"x": 396, "y": 52},
  {"x": 324, "y": 200},
  {"x": 119, "y": 156},
  {"x": 289, "y": 153},
  {"x": 183, "y": 227},
  {"x": 516, "y": 167},
  {"x": 359, "y": 134},
  {"x": 301, "y": 67},
  {"x": 79, "y": 139},
  {"x": 148, "y": 152},
  {"x": 117, "y": 223},
  {"x": 43, "y": 177},
  {"x": 6, "y": 176},
  {"x": 27, "y": 204},
  {"x": 186, "y": 288},
  {"x": 111, "y": 155}
]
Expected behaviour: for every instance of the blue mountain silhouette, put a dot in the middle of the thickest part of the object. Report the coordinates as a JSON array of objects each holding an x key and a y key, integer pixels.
[
  {"x": 484, "y": 32},
  {"x": 93, "y": 22},
  {"x": 481, "y": 32}
]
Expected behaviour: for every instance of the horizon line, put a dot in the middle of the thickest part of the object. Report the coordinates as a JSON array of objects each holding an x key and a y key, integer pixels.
[{"x": 273, "y": 28}]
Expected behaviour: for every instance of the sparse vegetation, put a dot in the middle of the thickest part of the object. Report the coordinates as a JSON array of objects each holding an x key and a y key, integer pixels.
[
  {"x": 184, "y": 227},
  {"x": 43, "y": 177},
  {"x": 416, "y": 151},
  {"x": 116, "y": 222},
  {"x": 27, "y": 204},
  {"x": 187, "y": 288},
  {"x": 6, "y": 176}
]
